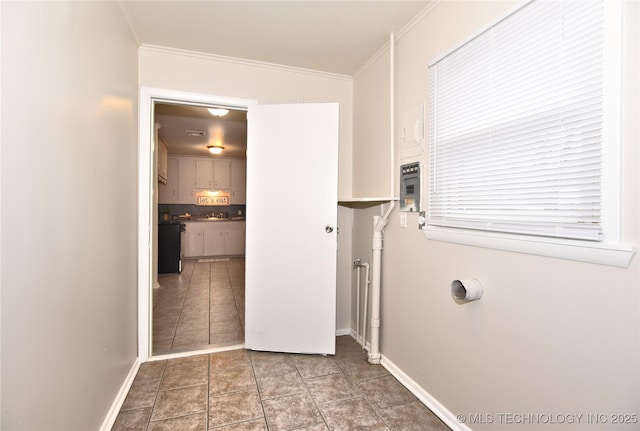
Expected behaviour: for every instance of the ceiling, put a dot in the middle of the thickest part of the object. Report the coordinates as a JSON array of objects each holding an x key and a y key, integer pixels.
[
  {"x": 329, "y": 36},
  {"x": 175, "y": 120}
]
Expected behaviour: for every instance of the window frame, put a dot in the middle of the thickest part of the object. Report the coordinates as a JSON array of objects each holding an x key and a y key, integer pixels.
[{"x": 609, "y": 251}]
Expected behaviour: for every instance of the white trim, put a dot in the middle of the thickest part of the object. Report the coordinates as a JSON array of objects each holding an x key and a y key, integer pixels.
[
  {"x": 583, "y": 251},
  {"x": 425, "y": 397},
  {"x": 366, "y": 347},
  {"x": 129, "y": 22},
  {"x": 196, "y": 352},
  {"x": 339, "y": 332},
  {"x": 399, "y": 35},
  {"x": 145, "y": 195},
  {"x": 144, "y": 223},
  {"x": 112, "y": 415},
  {"x": 2, "y": 228},
  {"x": 392, "y": 113},
  {"x": 367, "y": 64},
  {"x": 343, "y": 331},
  {"x": 612, "y": 120},
  {"x": 381, "y": 199},
  {"x": 243, "y": 61},
  {"x": 479, "y": 32},
  {"x": 426, "y": 11},
  {"x": 610, "y": 251}
]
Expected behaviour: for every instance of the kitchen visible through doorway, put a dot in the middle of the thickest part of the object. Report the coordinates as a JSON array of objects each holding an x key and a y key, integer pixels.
[{"x": 201, "y": 308}]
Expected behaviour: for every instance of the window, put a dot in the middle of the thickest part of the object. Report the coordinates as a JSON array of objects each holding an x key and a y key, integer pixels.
[{"x": 518, "y": 128}]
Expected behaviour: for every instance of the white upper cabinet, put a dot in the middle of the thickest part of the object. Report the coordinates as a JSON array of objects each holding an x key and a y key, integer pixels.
[
  {"x": 187, "y": 175},
  {"x": 186, "y": 181},
  {"x": 238, "y": 182},
  {"x": 204, "y": 174},
  {"x": 162, "y": 161},
  {"x": 373, "y": 156},
  {"x": 212, "y": 174},
  {"x": 222, "y": 172},
  {"x": 168, "y": 192}
]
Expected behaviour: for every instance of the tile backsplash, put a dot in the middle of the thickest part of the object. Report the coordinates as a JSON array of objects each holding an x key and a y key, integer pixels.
[{"x": 200, "y": 210}]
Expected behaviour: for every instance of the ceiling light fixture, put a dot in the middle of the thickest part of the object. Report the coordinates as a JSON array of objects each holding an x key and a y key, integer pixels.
[
  {"x": 218, "y": 112},
  {"x": 215, "y": 149}
]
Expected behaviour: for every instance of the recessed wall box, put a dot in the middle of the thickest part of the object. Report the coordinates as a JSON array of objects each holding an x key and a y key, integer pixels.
[{"x": 410, "y": 187}]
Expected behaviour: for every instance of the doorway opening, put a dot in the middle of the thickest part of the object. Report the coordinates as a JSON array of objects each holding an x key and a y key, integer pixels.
[
  {"x": 197, "y": 267},
  {"x": 198, "y": 295},
  {"x": 291, "y": 300},
  {"x": 200, "y": 308}
]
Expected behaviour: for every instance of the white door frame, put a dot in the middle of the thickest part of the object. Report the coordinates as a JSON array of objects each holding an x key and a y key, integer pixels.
[{"x": 146, "y": 183}]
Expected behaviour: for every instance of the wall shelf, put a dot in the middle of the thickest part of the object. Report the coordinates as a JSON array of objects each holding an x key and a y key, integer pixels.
[{"x": 365, "y": 202}]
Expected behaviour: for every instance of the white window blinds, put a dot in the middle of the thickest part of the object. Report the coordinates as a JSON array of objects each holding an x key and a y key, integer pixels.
[{"x": 516, "y": 125}]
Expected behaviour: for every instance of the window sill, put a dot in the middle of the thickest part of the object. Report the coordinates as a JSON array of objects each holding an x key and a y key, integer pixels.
[{"x": 593, "y": 252}]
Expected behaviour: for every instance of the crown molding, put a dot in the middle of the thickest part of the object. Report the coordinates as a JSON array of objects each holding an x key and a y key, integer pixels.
[
  {"x": 419, "y": 17},
  {"x": 399, "y": 35},
  {"x": 243, "y": 61}
]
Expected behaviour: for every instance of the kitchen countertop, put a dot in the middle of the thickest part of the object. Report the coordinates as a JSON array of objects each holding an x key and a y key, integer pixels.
[{"x": 212, "y": 219}]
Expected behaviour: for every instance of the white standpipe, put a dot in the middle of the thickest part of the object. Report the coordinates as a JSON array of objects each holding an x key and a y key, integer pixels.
[
  {"x": 365, "y": 306},
  {"x": 380, "y": 222},
  {"x": 358, "y": 265},
  {"x": 378, "y": 226}
]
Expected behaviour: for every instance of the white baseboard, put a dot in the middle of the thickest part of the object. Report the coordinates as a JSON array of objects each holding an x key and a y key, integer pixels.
[
  {"x": 353, "y": 334},
  {"x": 427, "y": 399},
  {"x": 343, "y": 331},
  {"x": 195, "y": 352},
  {"x": 108, "y": 422}
]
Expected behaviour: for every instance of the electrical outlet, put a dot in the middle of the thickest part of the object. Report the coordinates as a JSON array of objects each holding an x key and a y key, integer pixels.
[
  {"x": 403, "y": 219},
  {"x": 421, "y": 219}
]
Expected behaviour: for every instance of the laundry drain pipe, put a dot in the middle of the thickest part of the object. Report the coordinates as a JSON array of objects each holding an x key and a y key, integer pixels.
[
  {"x": 380, "y": 222},
  {"x": 378, "y": 226},
  {"x": 358, "y": 265}
]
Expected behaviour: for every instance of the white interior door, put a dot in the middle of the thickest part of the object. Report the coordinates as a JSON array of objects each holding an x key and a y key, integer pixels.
[{"x": 292, "y": 183}]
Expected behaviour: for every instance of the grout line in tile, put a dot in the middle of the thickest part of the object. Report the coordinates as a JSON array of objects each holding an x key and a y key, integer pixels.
[
  {"x": 305, "y": 383},
  {"x": 315, "y": 403},
  {"x": 155, "y": 399},
  {"x": 255, "y": 379},
  {"x": 206, "y": 415}
]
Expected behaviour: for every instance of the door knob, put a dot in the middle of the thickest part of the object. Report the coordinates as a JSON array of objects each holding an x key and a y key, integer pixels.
[{"x": 328, "y": 228}]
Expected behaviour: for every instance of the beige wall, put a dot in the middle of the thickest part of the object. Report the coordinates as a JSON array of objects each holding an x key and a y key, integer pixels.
[
  {"x": 265, "y": 83},
  {"x": 69, "y": 151},
  {"x": 173, "y": 70},
  {"x": 549, "y": 335}
]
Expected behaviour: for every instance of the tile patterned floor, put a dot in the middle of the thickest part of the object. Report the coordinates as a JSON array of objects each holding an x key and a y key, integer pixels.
[
  {"x": 241, "y": 390},
  {"x": 200, "y": 308}
]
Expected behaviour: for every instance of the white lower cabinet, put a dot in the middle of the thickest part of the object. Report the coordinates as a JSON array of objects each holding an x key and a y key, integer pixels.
[
  {"x": 216, "y": 238},
  {"x": 234, "y": 241},
  {"x": 214, "y": 242},
  {"x": 193, "y": 240}
]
